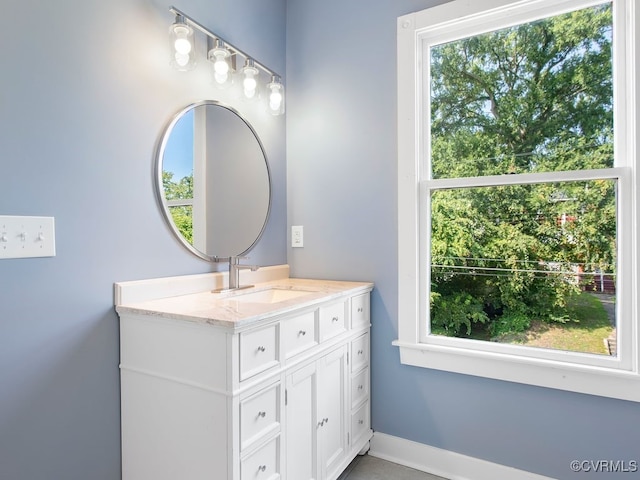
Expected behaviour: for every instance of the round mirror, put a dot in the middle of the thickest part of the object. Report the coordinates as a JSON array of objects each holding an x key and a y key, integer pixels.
[{"x": 213, "y": 181}]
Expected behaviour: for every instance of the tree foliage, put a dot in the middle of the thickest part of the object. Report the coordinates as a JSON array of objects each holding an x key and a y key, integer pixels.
[
  {"x": 536, "y": 97},
  {"x": 182, "y": 215}
]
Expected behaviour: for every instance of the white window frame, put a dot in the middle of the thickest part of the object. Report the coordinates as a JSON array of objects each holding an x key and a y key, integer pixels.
[{"x": 616, "y": 377}]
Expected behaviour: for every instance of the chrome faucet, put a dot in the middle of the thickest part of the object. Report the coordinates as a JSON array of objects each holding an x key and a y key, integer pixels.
[{"x": 234, "y": 273}]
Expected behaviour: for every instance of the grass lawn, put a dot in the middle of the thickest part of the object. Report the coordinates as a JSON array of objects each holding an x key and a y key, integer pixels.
[{"x": 585, "y": 332}]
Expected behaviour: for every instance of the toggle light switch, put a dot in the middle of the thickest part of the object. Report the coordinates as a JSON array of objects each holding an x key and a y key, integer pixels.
[{"x": 22, "y": 237}]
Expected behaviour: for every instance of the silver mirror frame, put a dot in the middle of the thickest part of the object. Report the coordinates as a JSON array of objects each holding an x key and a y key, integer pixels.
[{"x": 160, "y": 196}]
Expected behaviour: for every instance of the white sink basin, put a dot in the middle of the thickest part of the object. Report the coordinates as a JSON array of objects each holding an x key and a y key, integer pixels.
[{"x": 273, "y": 295}]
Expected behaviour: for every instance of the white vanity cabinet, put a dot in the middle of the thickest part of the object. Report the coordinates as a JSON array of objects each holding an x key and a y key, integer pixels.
[{"x": 278, "y": 392}]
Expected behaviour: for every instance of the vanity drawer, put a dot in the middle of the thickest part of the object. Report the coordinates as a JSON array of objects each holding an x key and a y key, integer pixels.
[
  {"x": 360, "y": 311},
  {"x": 299, "y": 334},
  {"x": 259, "y": 414},
  {"x": 359, "y": 352},
  {"x": 264, "y": 464},
  {"x": 359, "y": 387},
  {"x": 359, "y": 422},
  {"x": 332, "y": 321},
  {"x": 258, "y": 351}
]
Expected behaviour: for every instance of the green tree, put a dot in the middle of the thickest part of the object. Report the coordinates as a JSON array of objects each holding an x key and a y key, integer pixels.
[
  {"x": 182, "y": 215},
  {"x": 535, "y": 97}
]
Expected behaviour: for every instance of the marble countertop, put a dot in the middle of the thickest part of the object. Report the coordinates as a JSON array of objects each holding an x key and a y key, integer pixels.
[{"x": 230, "y": 311}]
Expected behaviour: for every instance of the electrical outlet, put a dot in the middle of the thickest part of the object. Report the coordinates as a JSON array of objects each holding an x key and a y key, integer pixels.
[
  {"x": 297, "y": 236},
  {"x": 22, "y": 237}
]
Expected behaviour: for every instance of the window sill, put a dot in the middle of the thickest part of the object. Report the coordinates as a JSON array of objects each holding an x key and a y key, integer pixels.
[{"x": 605, "y": 382}]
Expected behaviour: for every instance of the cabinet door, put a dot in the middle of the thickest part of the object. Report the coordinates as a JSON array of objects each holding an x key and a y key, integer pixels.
[
  {"x": 332, "y": 436},
  {"x": 301, "y": 442}
]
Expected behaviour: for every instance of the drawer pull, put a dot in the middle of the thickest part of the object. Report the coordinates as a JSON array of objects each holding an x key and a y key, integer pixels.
[
  {"x": 261, "y": 348},
  {"x": 360, "y": 387},
  {"x": 360, "y": 352},
  {"x": 360, "y": 309},
  {"x": 324, "y": 420},
  {"x": 302, "y": 333},
  {"x": 262, "y": 468},
  {"x": 360, "y": 422},
  {"x": 335, "y": 319},
  {"x": 262, "y": 414}
]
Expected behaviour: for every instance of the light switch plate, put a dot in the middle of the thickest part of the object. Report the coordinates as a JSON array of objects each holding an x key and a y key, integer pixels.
[
  {"x": 297, "y": 236},
  {"x": 23, "y": 237}
]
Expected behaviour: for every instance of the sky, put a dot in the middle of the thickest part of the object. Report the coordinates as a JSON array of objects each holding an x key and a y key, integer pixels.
[{"x": 178, "y": 153}]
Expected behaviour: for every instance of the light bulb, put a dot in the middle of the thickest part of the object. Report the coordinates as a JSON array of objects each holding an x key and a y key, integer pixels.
[
  {"x": 249, "y": 83},
  {"x": 221, "y": 78},
  {"x": 275, "y": 100},
  {"x": 182, "y": 43},
  {"x": 276, "y": 96},
  {"x": 220, "y": 65},
  {"x": 221, "y": 57},
  {"x": 182, "y": 59}
]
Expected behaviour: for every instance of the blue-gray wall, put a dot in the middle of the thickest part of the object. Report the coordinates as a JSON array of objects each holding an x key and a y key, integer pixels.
[
  {"x": 85, "y": 90},
  {"x": 341, "y": 180}
]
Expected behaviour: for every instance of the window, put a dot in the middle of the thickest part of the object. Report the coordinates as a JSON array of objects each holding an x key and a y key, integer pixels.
[{"x": 517, "y": 192}]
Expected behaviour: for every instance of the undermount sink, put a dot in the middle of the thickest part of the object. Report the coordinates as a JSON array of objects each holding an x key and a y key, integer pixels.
[{"x": 273, "y": 295}]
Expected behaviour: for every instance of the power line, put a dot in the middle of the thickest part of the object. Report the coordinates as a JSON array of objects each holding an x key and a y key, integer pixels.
[
  {"x": 505, "y": 260},
  {"x": 518, "y": 270}
]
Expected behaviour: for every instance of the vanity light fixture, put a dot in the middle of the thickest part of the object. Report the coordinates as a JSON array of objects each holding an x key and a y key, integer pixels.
[
  {"x": 182, "y": 44},
  {"x": 223, "y": 56}
]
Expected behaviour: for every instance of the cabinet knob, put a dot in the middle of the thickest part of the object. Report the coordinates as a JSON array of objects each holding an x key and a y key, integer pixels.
[
  {"x": 360, "y": 422},
  {"x": 262, "y": 468},
  {"x": 262, "y": 414},
  {"x": 360, "y": 352},
  {"x": 302, "y": 333},
  {"x": 334, "y": 319},
  {"x": 360, "y": 387},
  {"x": 360, "y": 309},
  {"x": 261, "y": 348}
]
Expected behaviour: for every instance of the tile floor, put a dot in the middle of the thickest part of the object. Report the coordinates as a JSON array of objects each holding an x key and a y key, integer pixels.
[{"x": 366, "y": 467}]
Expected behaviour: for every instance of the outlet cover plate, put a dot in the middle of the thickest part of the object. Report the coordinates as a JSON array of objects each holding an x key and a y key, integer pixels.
[{"x": 297, "y": 236}]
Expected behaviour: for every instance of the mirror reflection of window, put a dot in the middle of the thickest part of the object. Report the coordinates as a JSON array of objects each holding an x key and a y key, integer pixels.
[{"x": 177, "y": 175}]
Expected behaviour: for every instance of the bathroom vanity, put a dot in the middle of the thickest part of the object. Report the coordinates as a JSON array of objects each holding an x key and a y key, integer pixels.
[{"x": 265, "y": 383}]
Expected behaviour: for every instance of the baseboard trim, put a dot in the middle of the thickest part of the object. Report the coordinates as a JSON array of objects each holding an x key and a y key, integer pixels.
[{"x": 442, "y": 463}]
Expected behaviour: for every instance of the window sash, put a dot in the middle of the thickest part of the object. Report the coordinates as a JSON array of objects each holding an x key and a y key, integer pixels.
[
  {"x": 180, "y": 202},
  {"x": 624, "y": 358}
]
